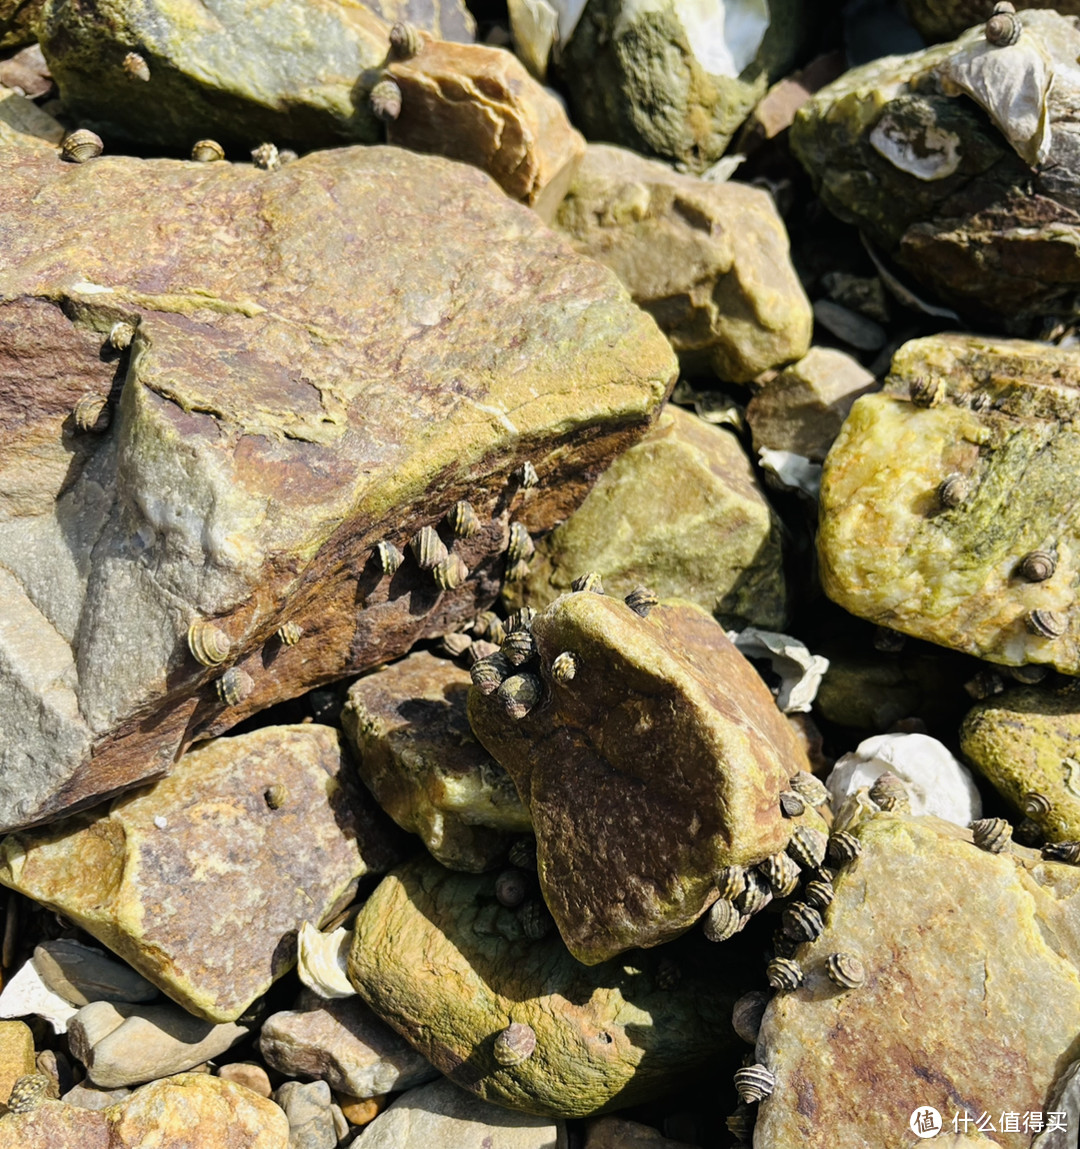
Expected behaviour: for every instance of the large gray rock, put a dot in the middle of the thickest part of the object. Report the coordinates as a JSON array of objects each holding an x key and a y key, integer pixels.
[
  {"x": 295, "y": 393},
  {"x": 443, "y": 1116}
]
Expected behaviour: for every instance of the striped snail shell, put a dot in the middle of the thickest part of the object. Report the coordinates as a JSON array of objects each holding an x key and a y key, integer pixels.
[
  {"x": 754, "y": 1083},
  {"x": 991, "y": 834},
  {"x": 810, "y": 787},
  {"x": 405, "y": 40},
  {"x": 489, "y": 673},
  {"x": 843, "y": 848},
  {"x": 234, "y": 686},
  {"x": 845, "y": 970},
  {"x": 1037, "y": 566},
  {"x": 385, "y": 100},
  {"x": 1047, "y": 623},
  {"x": 92, "y": 414},
  {"x": 781, "y": 872},
  {"x": 519, "y": 694},
  {"x": 807, "y": 847},
  {"x": 521, "y": 619},
  {"x": 535, "y": 920},
  {"x": 889, "y": 793},
  {"x": 428, "y": 549},
  {"x": 289, "y": 633},
  {"x": 925, "y": 392},
  {"x": 792, "y": 803},
  {"x": 802, "y": 922},
  {"x": 1068, "y": 852},
  {"x": 477, "y": 649},
  {"x": 784, "y": 974},
  {"x": 525, "y": 476},
  {"x": 519, "y": 646},
  {"x": 209, "y": 645},
  {"x": 564, "y": 667},
  {"x": 722, "y": 921},
  {"x": 136, "y": 67},
  {"x": 954, "y": 490},
  {"x": 28, "y": 1092},
  {"x": 276, "y": 796},
  {"x": 731, "y": 881},
  {"x": 390, "y": 558},
  {"x": 819, "y": 893},
  {"x": 1036, "y": 805},
  {"x": 450, "y": 573},
  {"x": 755, "y": 895},
  {"x": 641, "y": 600},
  {"x": 517, "y": 571},
  {"x": 121, "y": 334},
  {"x": 207, "y": 151},
  {"x": 1003, "y": 28},
  {"x": 463, "y": 520},
  {"x": 520, "y": 547},
  {"x": 515, "y": 1044},
  {"x": 81, "y": 145},
  {"x": 456, "y": 644},
  {"x": 523, "y": 854},
  {"x": 266, "y": 157},
  {"x": 590, "y": 581}
]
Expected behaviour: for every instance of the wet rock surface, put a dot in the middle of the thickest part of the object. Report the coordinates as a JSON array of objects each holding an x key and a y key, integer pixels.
[
  {"x": 709, "y": 261},
  {"x": 660, "y": 762},
  {"x": 1011, "y": 945},
  {"x": 605, "y": 1035},
  {"x": 683, "y": 513},
  {"x": 417, "y": 754},
  {"x": 257, "y": 449},
  {"x": 198, "y": 881}
]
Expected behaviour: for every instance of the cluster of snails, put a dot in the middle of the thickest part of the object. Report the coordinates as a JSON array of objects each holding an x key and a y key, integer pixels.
[
  {"x": 384, "y": 98},
  {"x": 517, "y": 889}
]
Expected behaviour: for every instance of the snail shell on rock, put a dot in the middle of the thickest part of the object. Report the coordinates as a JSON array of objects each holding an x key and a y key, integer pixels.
[
  {"x": 81, "y": 145},
  {"x": 207, "y": 151},
  {"x": 209, "y": 645}
]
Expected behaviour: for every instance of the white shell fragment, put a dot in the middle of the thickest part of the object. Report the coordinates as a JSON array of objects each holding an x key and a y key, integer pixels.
[
  {"x": 724, "y": 35},
  {"x": 935, "y": 781},
  {"x": 1011, "y": 84},
  {"x": 26, "y": 994},
  {"x": 800, "y": 670},
  {"x": 927, "y": 153},
  {"x": 786, "y": 469},
  {"x": 321, "y": 961}
]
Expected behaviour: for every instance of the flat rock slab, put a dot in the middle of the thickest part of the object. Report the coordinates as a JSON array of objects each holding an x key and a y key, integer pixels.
[
  {"x": 344, "y": 1044},
  {"x": 416, "y": 752},
  {"x": 972, "y": 981},
  {"x": 682, "y": 513},
  {"x": 996, "y": 418},
  {"x": 302, "y": 63},
  {"x": 709, "y": 261},
  {"x": 199, "y": 881},
  {"x": 442, "y": 1116},
  {"x": 326, "y": 356},
  {"x": 1026, "y": 742},
  {"x": 439, "y": 959},
  {"x": 957, "y": 161},
  {"x": 191, "y": 1109},
  {"x": 659, "y": 763}
]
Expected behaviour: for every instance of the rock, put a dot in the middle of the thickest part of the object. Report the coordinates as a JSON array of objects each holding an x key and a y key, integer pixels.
[
  {"x": 302, "y": 67},
  {"x": 1064, "y": 1104},
  {"x": 28, "y": 75},
  {"x": 81, "y": 974},
  {"x": 926, "y": 154},
  {"x": 360, "y": 1110},
  {"x": 197, "y": 881},
  {"x": 417, "y": 754},
  {"x": 802, "y": 409},
  {"x": 711, "y": 65},
  {"x": 129, "y": 1044},
  {"x": 709, "y": 261},
  {"x": 17, "y": 22},
  {"x": 775, "y": 111},
  {"x": 657, "y": 765},
  {"x": 86, "y": 1096},
  {"x": 993, "y": 419},
  {"x": 1024, "y": 742},
  {"x": 442, "y": 1116},
  {"x": 617, "y": 1133},
  {"x": 479, "y": 105},
  {"x": 311, "y": 1124},
  {"x": 249, "y": 1074},
  {"x": 16, "y": 1056},
  {"x": 936, "y": 783},
  {"x": 441, "y": 961},
  {"x": 445, "y": 21},
  {"x": 849, "y": 326},
  {"x": 25, "y": 126},
  {"x": 945, "y": 19},
  {"x": 192, "y": 1109},
  {"x": 344, "y": 1044},
  {"x": 244, "y": 463},
  {"x": 681, "y": 512},
  {"x": 971, "y": 980}
]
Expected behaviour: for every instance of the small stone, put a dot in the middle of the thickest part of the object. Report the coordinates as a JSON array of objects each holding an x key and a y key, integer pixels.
[
  {"x": 360, "y": 1110},
  {"x": 618, "y": 1133},
  {"x": 308, "y": 1109},
  {"x": 87, "y": 1096},
  {"x": 16, "y": 1054},
  {"x": 849, "y": 326},
  {"x": 249, "y": 1074},
  {"x": 82, "y": 974}
]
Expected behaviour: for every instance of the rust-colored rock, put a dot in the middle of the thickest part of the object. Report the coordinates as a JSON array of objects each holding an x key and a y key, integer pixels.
[
  {"x": 658, "y": 764},
  {"x": 326, "y": 356},
  {"x": 197, "y": 881},
  {"x": 480, "y": 105}
]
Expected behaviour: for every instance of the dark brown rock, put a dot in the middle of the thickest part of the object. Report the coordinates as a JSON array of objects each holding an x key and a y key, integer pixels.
[
  {"x": 658, "y": 764},
  {"x": 318, "y": 348}
]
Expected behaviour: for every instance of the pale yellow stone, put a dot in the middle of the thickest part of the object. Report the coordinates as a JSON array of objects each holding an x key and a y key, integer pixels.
[{"x": 16, "y": 1056}]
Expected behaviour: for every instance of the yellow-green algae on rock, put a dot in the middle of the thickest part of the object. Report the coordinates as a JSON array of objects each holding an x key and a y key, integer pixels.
[
  {"x": 1027, "y": 742},
  {"x": 1001, "y": 418},
  {"x": 440, "y": 960},
  {"x": 971, "y": 999},
  {"x": 681, "y": 512}
]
